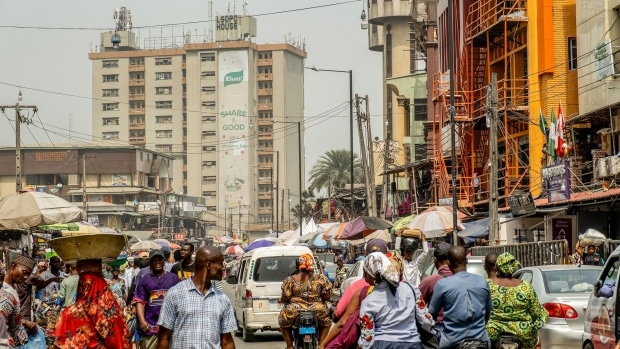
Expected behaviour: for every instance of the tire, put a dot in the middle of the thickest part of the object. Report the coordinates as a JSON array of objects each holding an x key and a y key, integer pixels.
[
  {"x": 588, "y": 345},
  {"x": 247, "y": 335}
]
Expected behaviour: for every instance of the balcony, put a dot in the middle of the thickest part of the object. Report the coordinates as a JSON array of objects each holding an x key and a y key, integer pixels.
[
  {"x": 265, "y": 135},
  {"x": 137, "y": 140},
  {"x": 264, "y": 62},
  {"x": 136, "y": 82},
  {"x": 137, "y": 126},
  {"x": 136, "y": 97},
  {"x": 265, "y": 149},
  {"x": 265, "y": 122},
  {"x": 265, "y": 76},
  {"x": 381, "y": 10},
  {"x": 136, "y": 111},
  {"x": 485, "y": 14},
  {"x": 184, "y": 168},
  {"x": 265, "y": 165},
  {"x": 185, "y": 182},
  {"x": 136, "y": 67},
  {"x": 264, "y": 195},
  {"x": 265, "y": 106},
  {"x": 265, "y": 91},
  {"x": 264, "y": 210},
  {"x": 184, "y": 123},
  {"x": 264, "y": 180},
  {"x": 184, "y": 65},
  {"x": 184, "y": 80},
  {"x": 184, "y": 139}
]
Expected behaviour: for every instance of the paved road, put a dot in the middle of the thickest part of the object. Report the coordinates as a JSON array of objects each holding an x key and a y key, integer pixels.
[{"x": 262, "y": 340}]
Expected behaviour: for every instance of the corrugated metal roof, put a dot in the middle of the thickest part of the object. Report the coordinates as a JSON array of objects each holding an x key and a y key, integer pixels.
[{"x": 580, "y": 197}]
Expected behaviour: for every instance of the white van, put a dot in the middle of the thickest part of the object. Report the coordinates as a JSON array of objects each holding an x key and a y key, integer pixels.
[{"x": 258, "y": 287}]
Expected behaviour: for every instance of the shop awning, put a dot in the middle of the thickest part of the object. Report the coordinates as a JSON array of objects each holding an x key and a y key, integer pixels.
[
  {"x": 112, "y": 190},
  {"x": 580, "y": 199},
  {"x": 133, "y": 214},
  {"x": 410, "y": 165}
]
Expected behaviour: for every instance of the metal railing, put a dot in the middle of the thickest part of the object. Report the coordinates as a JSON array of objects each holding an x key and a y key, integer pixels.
[{"x": 529, "y": 254}]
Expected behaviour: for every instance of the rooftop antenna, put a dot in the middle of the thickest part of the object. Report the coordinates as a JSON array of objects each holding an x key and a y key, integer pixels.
[
  {"x": 245, "y": 8},
  {"x": 211, "y": 22}
]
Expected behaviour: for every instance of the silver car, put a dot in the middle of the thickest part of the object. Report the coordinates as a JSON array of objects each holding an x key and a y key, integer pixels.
[
  {"x": 564, "y": 291},
  {"x": 355, "y": 273}
]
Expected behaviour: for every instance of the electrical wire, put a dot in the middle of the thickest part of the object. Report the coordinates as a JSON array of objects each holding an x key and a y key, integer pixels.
[{"x": 8, "y": 26}]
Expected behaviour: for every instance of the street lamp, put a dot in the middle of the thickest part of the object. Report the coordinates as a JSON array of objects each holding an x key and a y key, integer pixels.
[
  {"x": 301, "y": 214},
  {"x": 350, "y": 72}
]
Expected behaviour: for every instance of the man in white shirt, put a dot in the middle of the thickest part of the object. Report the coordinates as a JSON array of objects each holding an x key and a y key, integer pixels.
[
  {"x": 408, "y": 246},
  {"x": 130, "y": 272}
]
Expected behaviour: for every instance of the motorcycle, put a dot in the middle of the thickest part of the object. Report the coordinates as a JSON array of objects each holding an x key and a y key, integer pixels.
[
  {"x": 305, "y": 334},
  {"x": 508, "y": 341}
]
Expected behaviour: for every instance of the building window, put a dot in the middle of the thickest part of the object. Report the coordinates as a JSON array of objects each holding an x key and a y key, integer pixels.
[
  {"x": 388, "y": 55},
  {"x": 208, "y": 178},
  {"x": 207, "y": 57},
  {"x": 109, "y": 135},
  {"x": 265, "y": 99},
  {"x": 264, "y": 55},
  {"x": 163, "y": 148},
  {"x": 264, "y": 219},
  {"x": 265, "y": 144},
  {"x": 136, "y": 90},
  {"x": 265, "y": 84},
  {"x": 163, "y": 90},
  {"x": 163, "y": 134},
  {"x": 111, "y": 92},
  {"x": 265, "y": 70},
  {"x": 208, "y": 104},
  {"x": 265, "y": 114},
  {"x": 211, "y": 208},
  {"x": 110, "y": 78},
  {"x": 420, "y": 152},
  {"x": 208, "y": 89},
  {"x": 265, "y": 129},
  {"x": 264, "y": 203},
  {"x": 209, "y": 194},
  {"x": 265, "y": 188},
  {"x": 136, "y": 76},
  {"x": 136, "y": 105},
  {"x": 420, "y": 110},
  {"x": 163, "y": 61},
  {"x": 163, "y": 76},
  {"x": 208, "y": 133},
  {"x": 208, "y": 73},
  {"x": 139, "y": 133},
  {"x": 136, "y": 61},
  {"x": 572, "y": 53},
  {"x": 163, "y": 105},
  {"x": 208, "y": 118},
  {"x": 136, "y": 120},
  {"x": 208, "y": 163},
  {"x": 208, "y": 148},
  {"x": 164, "y": 119},
  {"x": 109, "y": 64},
  {"x": 110, "y": 106},
  {"x": 110, "y": 121},
  {"x": 264, "y": 173}
]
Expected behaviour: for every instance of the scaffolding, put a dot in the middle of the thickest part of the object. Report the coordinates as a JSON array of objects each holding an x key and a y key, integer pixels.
[{"x": 494, "y": 40}]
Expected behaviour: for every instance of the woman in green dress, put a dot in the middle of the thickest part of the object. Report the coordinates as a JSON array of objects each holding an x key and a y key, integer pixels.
[{"x": 516, "y": 309}]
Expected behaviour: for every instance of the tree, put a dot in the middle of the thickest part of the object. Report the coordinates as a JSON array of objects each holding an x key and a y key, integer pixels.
[
  {"x": 306, "y": 196},
  {"x": 333, "y": 170}
]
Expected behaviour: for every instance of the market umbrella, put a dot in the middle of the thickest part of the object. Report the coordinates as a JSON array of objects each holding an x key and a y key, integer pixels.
[
  {"x": 379, "y": 234},
  {"x": 434, "y": 223},
  {"x": 402, "y": 222},
  {"x": 145, "y": 245},
  {"x": 334, "y": 231},
  {"x": 318, "y": 242},
  {"x": 459, "y": 215},
  {"x": 259, "y": 243},
  {"x": 235, "y": 249},
  {"x": 363, "y": 226},
  {"x": 31, "y": 209},
  {"x": 83, "y": 229},
  {"x": 308, "y": 237},
  {"x": 474, "y": 230},
  {"x": 175, "y": 246},
  {"x": 163, "y": 243},
  {"x": 236, "y": 242}
]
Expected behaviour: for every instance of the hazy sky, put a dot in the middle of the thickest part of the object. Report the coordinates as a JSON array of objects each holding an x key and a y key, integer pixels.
[{"x": 54, "y": 72}]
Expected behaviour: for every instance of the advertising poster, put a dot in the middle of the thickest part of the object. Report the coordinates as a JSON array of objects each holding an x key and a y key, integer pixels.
[
  {"x": 562, "y": 228},
  {"x": 119, "y": 180},
  {"x": 557, "y": 182},
  {"x": 233, "y": 130}
]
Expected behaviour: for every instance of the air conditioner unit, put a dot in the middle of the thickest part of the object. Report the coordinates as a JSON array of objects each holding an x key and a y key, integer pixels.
[
  {"x": 602, "y": 169},
  {"x": 613, "y": 165}
]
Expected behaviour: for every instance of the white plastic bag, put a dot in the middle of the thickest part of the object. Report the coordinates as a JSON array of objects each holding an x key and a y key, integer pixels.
[{"x": 592, "y": 237}]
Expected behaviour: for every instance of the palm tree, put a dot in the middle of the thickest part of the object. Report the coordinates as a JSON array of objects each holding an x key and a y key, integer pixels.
[{"x": 333, "y": 170}]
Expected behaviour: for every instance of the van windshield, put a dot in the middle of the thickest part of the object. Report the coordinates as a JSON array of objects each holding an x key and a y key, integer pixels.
[{"x": 274, "y": 269}]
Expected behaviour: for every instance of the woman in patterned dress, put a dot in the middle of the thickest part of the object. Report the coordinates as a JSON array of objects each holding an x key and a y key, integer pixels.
[
  {"x": 516, "y": 309},
  {"x": 304, "y": 291},
  {"x": 117, "y": 286}
]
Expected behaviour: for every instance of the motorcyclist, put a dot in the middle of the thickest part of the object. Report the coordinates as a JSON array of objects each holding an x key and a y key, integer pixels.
[{"x": 408, "y": 246}]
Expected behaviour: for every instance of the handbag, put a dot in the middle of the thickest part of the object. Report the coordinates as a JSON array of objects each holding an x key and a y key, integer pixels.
[{"x": 350, "y": 332}]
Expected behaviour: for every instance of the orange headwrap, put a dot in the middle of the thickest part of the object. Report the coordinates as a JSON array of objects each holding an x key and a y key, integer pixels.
[{"x": 306, "y": 262}]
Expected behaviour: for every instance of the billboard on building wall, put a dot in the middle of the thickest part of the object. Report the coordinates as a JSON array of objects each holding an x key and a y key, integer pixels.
[
  {"x": 233, "y": 175},
  {"x": 557, "y": 182}
]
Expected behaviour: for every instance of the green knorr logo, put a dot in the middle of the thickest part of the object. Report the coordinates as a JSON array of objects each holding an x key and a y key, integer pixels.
[{"x": 235, "y": 77}]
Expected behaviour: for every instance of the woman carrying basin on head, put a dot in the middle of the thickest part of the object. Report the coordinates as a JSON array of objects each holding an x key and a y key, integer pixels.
[
  {"x": 516, "y": 309},
  {"x": 304, "y": 291}
]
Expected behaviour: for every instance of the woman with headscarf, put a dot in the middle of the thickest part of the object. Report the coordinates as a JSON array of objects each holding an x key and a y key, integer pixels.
[
  {"x": 516, "y": 309},
  {"x": 95, "y": 320},
  {"x": 386, "y": 313},
  {"x": 304, "y": 291}
]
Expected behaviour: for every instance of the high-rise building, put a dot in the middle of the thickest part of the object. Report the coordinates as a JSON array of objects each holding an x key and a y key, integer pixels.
[{"x": 226, "y": 109}]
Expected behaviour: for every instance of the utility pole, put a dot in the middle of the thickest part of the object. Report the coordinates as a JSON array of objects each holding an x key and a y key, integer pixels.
[
  {"x": 361, "y": 118},
  {"x": 493, "y": 201},
  {"x": 282, "y": 210},
  {"x": 371, "y": 162},
  {"x": 226, "y": 221},
  {"x": 18, "y": 150},
  {"x": 277, "y": 189},
  {"x": 84, "y": 204}
]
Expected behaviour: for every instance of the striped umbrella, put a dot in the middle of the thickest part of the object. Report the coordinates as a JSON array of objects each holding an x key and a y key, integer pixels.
[{"x": 434, "y": 223}]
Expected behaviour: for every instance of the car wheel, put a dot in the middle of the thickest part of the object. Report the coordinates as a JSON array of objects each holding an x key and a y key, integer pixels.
[
  {"x": 239, "y": 330},
  {"x": 588, "y": 345},
  {"x": 247, "y": 335}
]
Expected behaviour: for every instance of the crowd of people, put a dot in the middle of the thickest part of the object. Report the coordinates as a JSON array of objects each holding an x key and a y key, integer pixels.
[{"x": 146, "y": 301}]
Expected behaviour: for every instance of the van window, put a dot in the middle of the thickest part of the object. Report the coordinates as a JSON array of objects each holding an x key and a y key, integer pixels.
[
  {"x": 274, "y": 269},
  {"x": 611, "y": 270},
  {"x": 243, "y": 270}
]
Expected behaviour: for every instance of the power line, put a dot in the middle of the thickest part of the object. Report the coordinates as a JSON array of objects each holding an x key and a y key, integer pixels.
[{"x": 179, "y": 23}]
